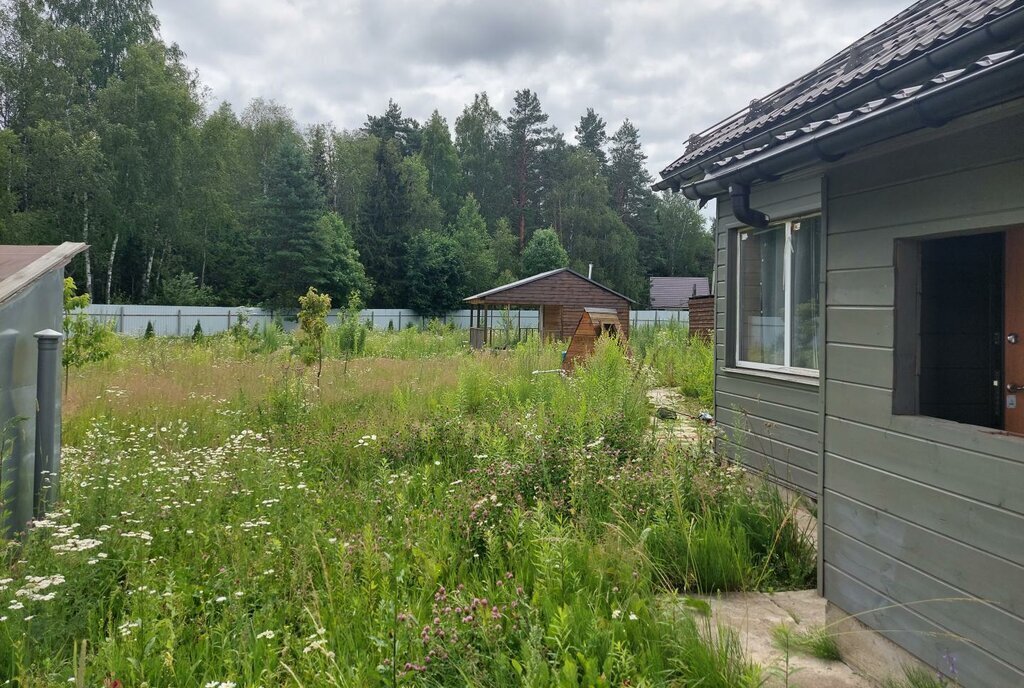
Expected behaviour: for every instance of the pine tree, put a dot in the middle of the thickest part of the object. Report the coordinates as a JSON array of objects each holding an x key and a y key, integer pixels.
[{"x": 529, "y": 136}]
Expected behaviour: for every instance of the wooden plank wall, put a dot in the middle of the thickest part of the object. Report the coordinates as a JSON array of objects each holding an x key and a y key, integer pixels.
[
  {"x": 571, "y": 292},
  {"x": 769, "y": 424},
  {"x": 923, "y": 518}
]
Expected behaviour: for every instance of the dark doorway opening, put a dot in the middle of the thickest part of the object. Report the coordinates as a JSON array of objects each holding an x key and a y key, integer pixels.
[{"x": 961, "y": 325}]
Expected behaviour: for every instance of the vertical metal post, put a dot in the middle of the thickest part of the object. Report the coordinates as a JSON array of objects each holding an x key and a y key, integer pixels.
[
  {"x": 399, "y": 319},
  {"x": 179, "y": 322},
  {"x": 120, "y": 321},
  {"x": 46, "y": 474}
]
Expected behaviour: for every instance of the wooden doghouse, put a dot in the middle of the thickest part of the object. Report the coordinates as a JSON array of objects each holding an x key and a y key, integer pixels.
[{"x": 593, "y": 323}]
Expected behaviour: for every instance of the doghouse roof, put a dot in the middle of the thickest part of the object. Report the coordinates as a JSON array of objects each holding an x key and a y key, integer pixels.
[{"x": 603, "y": 316}]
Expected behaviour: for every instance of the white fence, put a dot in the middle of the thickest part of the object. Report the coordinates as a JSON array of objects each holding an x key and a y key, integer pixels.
[{"x": 181, "y": 320}]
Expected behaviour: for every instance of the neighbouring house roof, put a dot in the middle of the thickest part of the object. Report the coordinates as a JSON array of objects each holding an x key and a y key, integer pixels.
[
  {"x": 676, "y": 292},
  {"x": 900, "y": 77},
  {"x": 20, "y": 266},
  {"x": 479, "y": 298}
]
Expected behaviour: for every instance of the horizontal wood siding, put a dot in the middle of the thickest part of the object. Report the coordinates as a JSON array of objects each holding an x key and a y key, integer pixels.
[
  {"x": 571, "y": 292},
  {"x": 769, "y": 425},
  {"x": 923, "y": 518}
]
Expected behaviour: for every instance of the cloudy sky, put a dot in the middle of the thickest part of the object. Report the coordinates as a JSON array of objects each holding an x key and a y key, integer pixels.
[{"x": 671, "y": 66}]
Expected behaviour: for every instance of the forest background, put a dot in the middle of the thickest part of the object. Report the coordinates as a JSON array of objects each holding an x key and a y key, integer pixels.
[{"x": 107, "y": 136}]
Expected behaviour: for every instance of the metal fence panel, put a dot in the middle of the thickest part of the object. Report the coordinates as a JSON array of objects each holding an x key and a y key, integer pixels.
[{"x": 132, "y": 319}]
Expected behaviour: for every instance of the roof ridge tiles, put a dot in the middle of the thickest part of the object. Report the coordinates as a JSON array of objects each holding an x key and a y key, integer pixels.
[{"x": 909, "y": 34}]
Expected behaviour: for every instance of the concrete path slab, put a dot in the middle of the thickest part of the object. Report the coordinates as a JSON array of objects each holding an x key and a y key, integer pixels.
[{"x": 754, "y": 615}]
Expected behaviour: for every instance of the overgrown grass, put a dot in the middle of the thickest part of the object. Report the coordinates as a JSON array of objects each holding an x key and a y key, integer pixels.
[
  {"x": 684, "y": 362},
  {"x": 436, "y": 518},
  {"x": 816, "y": 642}
]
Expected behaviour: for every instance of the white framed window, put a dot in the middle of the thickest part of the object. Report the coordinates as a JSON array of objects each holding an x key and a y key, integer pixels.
[{"x": 778, "y": 273}]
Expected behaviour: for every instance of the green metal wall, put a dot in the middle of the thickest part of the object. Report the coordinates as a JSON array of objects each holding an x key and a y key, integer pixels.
[{"x": 37, "y": 308}]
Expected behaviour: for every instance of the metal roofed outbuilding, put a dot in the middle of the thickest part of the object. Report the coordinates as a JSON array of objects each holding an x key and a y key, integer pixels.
[{"x": 31, "y": 302}]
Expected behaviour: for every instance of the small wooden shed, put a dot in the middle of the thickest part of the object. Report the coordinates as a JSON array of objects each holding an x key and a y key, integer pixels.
[
  {"x": 559, "y": 295},
  {"x": 593, "y": 323}
]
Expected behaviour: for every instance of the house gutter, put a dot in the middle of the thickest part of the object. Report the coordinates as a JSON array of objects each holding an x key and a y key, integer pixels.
[
  {"x": 997, "y": 32},
  {"x": 989, "y": 86}
]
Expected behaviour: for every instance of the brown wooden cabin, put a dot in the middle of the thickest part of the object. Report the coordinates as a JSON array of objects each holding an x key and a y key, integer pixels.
[
  {"x": 559, "y": 295},
  {"x": 593, "y": 323}
]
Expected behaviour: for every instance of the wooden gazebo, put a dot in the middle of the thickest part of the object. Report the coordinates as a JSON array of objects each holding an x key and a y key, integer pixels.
[{"x": 561, "y": 297}]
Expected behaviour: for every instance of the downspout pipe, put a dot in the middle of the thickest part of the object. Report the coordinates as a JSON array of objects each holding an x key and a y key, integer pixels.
[{"x": 739, "y": 194}]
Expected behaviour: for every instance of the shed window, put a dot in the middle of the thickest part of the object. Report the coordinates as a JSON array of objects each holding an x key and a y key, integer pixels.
[{"x": 777, "y": 296}]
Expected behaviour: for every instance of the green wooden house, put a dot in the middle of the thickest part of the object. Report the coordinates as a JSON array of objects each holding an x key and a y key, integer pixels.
[{"x": 869, "y": 321}]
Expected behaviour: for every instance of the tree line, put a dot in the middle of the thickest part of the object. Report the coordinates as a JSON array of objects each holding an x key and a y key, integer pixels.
[{"x": 104, "y": 138}]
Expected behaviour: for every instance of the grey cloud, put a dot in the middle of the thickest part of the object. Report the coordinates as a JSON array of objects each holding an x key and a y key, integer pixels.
[
  {"x": 671, "y": 67},
  {"x": 458, "y": 31}
]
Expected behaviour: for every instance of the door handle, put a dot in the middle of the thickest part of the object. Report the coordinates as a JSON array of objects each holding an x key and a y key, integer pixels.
[
  {"x": 1013, "y": 389},
  {"x": 1012, "y": 338}
]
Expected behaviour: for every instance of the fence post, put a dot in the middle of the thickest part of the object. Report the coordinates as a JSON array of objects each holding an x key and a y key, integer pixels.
[
  {"x": 120, "y": 321},
  {"x": 46, "y": 473},
  {"x": 399, "y": 319},
  {"x": 229, "y": 318},
  {"x": 179, "y": 322}
]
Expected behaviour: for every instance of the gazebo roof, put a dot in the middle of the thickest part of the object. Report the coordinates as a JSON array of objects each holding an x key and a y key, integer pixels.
[{"x": 482, "y": 296}]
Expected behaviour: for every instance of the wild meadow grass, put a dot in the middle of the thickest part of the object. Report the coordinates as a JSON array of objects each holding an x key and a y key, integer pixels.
[
  {"x": 681, "y": 361},
  {"x": 816, "y": 642},
  {"x": 428, "y": 517}
]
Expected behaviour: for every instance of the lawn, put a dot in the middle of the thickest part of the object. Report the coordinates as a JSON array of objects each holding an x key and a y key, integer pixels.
[{"x": 428, "y": 516}]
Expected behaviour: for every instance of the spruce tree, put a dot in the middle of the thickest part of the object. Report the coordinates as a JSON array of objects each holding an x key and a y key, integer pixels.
[
  {"x": 474, "y": 246},
  {"x": 295, "y": 253},
  {"x": 592, "y": 136}
]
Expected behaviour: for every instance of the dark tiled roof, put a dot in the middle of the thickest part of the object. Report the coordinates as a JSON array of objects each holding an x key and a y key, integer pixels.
[
  {"x": 857, "y": 80},
  {"x": 675, "y": 292}
]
